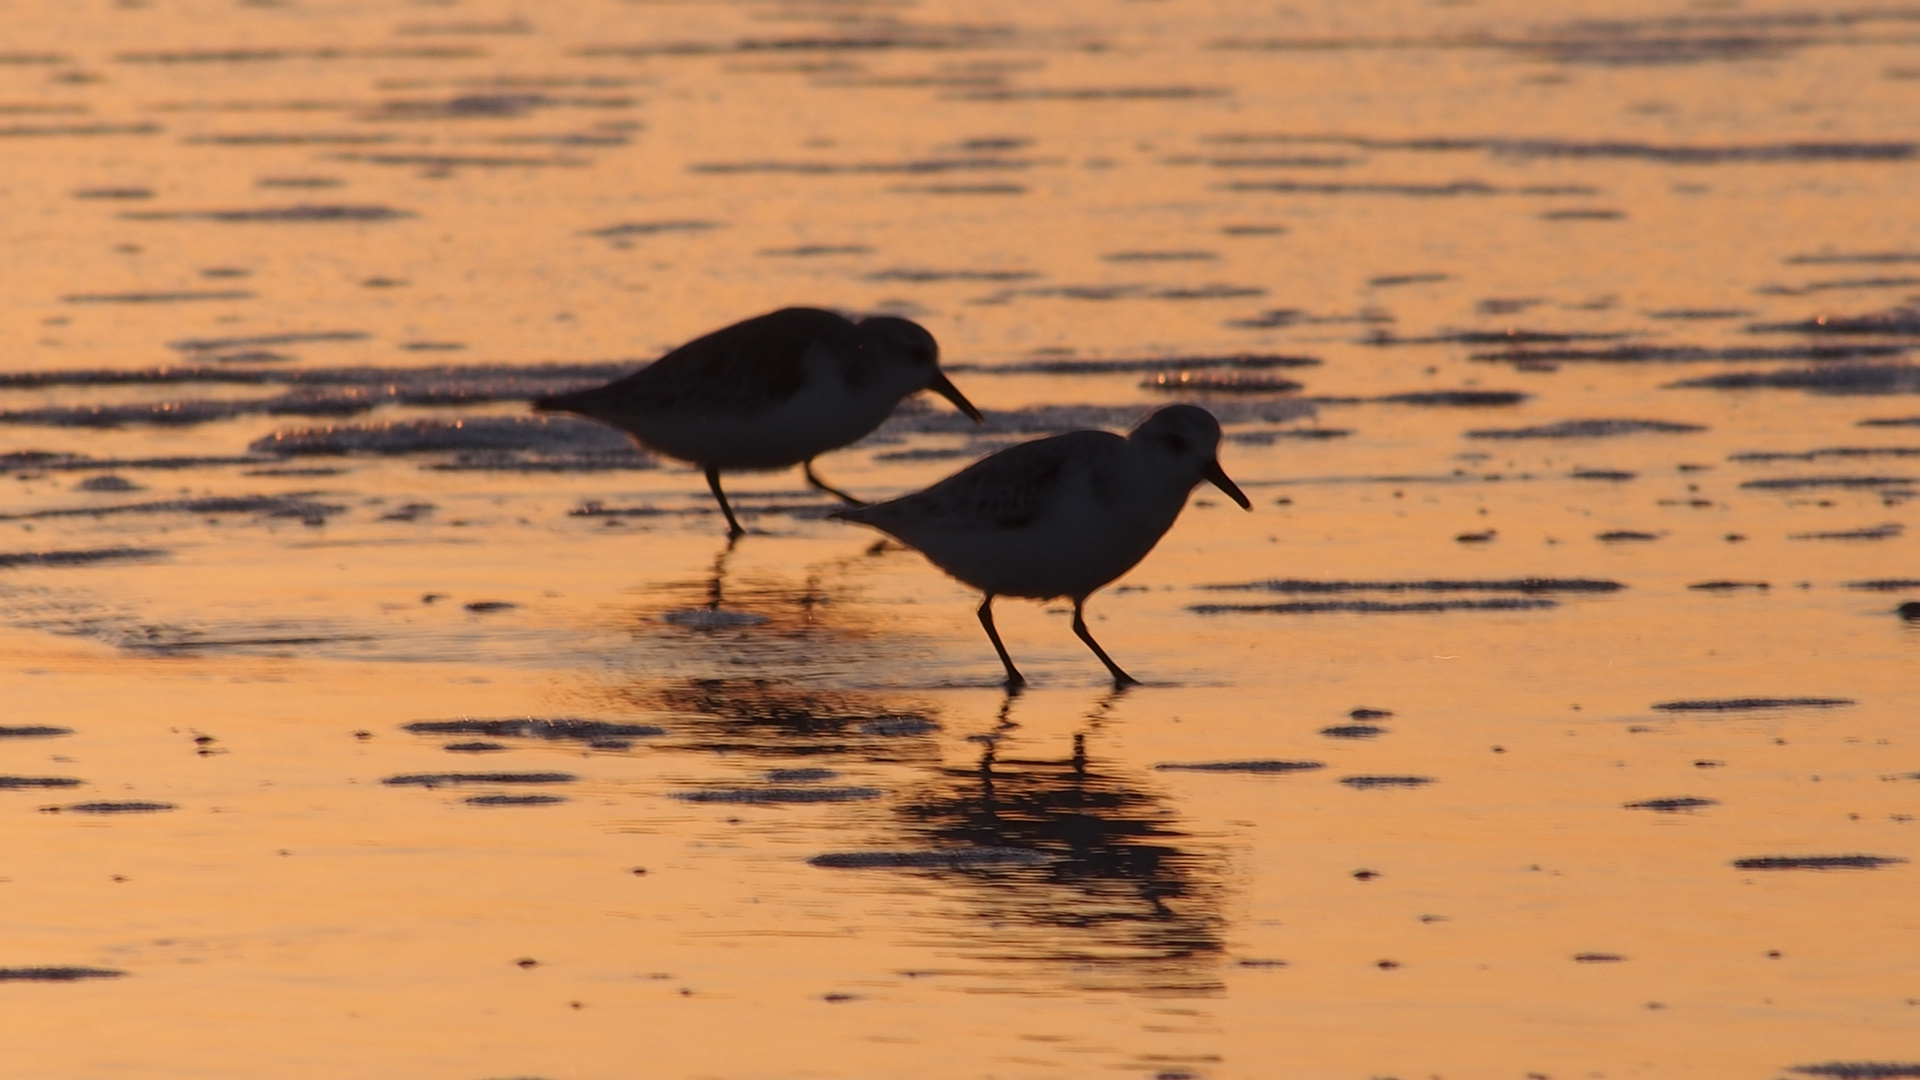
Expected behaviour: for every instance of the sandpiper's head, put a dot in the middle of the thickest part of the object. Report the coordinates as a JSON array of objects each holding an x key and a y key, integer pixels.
[
  {"x": 907, "y": 349},
  {"x": 901, "y": 340},
  {"x": 1187, "y": 438}
]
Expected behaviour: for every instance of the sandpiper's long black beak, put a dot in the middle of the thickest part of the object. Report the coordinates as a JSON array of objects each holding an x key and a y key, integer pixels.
[
  {"x": 1217, "y": 476},
  {"x": 943, "y": 386}
]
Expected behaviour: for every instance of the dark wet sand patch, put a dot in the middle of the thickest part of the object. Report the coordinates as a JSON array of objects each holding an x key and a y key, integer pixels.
[
  {"x": 1586, "y": 429},
  {"x": 880, "y": 37},
  {"x": 1729, "y": 586},
  {"x": 9, "y": 560},
  {"x": 156, "y": 640},
  {"x": 449, "y": 779},
  {"x": 505, "y": 26},
  {"x": 1582, "y": 214},
  {"x": 1092, "y": 93},
  {"x": 1373, "y": 607},
  {"x": 33, "y": 731},
  {"x": 1615, "y": 475},
  {"x": 513, "y": 800},
  {"x": 186, "y": 296},
  {"x": 1677, "y": 354},
  {"x": 271, "y": 506},
  {"x": 302, "y": 213},
  {"x": 929, "y": 166},
  {"x": 530, "y": 728},
  {"x": 113, "y": 193},
  {"x": 1749, "y": 704},
  {"x": 1817, "y": 862},
  {"x": 1274, "y": 318},
  {"x": 313, "y": 391},
  {"x": 959, "y": 189},
  {"x": 1700, "y": 314},
  {"x": 1671, "y": 153},
  {"x": 228, "y": 344},
  {"x": 1899, "y": 322},
  {"x": 958, "y": 859},
  {"x": 1871, "y": 258},
  {"x": 1838, "y": 379},
  {"x": 56, "y": 974},
  {"x": 1508, "y": 335},
  {"x": 800, "y": 775},
  {"x": 1352, "y": 731},
  {"x": 1838, "y": 285},
  {"x": 38, "y": 131},
  {"x": 1673, "y": 805},
  {"x": 1188, "y": 255},
  {"x": 128, "y": 807},
  {"x": 446, "y": 162},
  {"x": 1890, "y": 421},
  {"x": 1364, "y": 782},
  {"x": 776, "y": 795},
  {"x": 809, "y": 251},
  {"x": 1598, "y": 958},
  {"x": 1844, "y": 483},
  {"x": 1265, "y": 766},
  {"x": 627, "y": 230},
  {"x": 1134, "y": 291},
  {"x": 1885, "y": 584},
  {"x": 1519, "y": 585},
  {"x": 1887, "y": 531},
  {"x": 1828, "y": 452},
  {"x": 187, "y": 413},
  {"x": 525, "y": 443},
  {"x": 473, "y": 747},
  {"x": 288, "y": 138},
  {"x": 1388, "y": 280},
  {"x": 1469, "y": 399},
  {"x": 242, "y": 55},
  {"x": 1860, "y": 1070},
  {"x": 22, "y": 783},
  {"x": 39, "y": 461},
  {"x": 482, "y": 607},
  {"x": 897, "y": 726},
  {"x": 923, "y": 276}
]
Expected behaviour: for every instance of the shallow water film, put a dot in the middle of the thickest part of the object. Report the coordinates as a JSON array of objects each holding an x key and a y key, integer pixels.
[{"x": 1552, "y": 714}]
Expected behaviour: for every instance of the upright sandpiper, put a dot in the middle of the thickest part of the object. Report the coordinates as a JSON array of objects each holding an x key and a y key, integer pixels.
[
  {"x": 770, "y": 392},
  {"x": 1060, "y": 516}
]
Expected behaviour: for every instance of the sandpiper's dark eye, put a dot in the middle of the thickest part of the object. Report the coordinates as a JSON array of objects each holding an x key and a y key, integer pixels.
[{"x": 1178, "y": 443}]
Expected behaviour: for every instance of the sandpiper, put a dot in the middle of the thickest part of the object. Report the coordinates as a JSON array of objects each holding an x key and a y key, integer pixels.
[
  {"x": 1060, "y": 516},
  {"x": 770, "y": 392}
]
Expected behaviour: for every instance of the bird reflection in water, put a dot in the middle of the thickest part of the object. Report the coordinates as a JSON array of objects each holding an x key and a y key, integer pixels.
[
  {"x": 1118, "y": 903},
  {"x": 771, "y": 718}
]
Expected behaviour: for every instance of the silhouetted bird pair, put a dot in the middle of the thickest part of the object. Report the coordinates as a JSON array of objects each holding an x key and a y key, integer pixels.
[{"x": 1060, "y": 516}]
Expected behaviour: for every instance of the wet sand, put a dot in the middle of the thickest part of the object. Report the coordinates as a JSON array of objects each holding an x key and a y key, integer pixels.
[{"x": 1551, "y": 715}]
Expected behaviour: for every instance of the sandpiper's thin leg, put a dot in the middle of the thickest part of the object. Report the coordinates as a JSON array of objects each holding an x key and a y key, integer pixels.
[
  {"x": 1014, "y": 678},
  {"x": 1120, "y": 678},
  {"x": 829, "y": 489},
  {"x": 713, "y": 482}
]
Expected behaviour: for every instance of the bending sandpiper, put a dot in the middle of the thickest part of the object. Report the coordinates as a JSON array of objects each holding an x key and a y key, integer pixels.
[
  {"x": 1060, "y": 516},
  {"x": 770, "y": 392}
]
